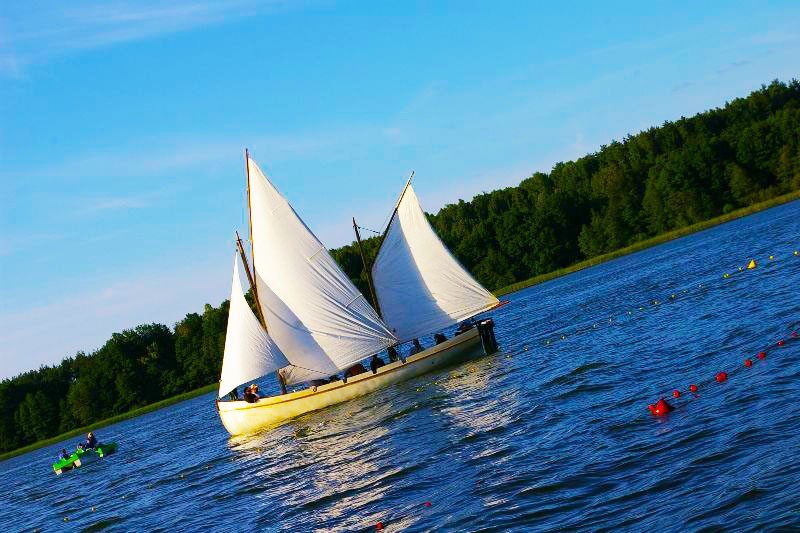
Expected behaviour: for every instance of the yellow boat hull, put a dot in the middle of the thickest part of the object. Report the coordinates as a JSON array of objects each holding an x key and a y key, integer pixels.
[{"x": 241, "y": 418}]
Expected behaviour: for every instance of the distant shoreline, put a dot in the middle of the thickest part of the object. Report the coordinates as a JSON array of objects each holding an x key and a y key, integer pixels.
[
  {"x": 108, "y": 421},
  {"x": 648, "y": 243},
  {"x": 639, "y": 246}
]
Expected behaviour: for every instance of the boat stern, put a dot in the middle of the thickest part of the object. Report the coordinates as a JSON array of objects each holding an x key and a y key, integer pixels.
[{"x": 486, "y": 332}]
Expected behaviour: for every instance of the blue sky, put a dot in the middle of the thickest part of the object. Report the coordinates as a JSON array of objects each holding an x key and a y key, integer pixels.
[{"x": 122, "y": 126}]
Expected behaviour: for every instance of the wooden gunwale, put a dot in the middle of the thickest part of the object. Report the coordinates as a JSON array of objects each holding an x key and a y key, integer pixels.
[{"x": 416, "y": 358}]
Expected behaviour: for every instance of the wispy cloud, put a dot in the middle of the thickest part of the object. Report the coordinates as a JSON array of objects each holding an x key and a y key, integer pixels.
[
  {"x": 121, "y": 203},
  {"x": 59, "y": 30},
  {"x": 152, "y": 157}
]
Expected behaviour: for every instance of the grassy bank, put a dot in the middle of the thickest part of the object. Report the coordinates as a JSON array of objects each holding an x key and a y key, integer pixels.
[
  {"x": 641, "y": 245},
  {"x": 108, "y": 421}
]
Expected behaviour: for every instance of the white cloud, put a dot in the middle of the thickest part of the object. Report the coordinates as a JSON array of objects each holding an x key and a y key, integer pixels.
[{"x": 59, "y": 30}]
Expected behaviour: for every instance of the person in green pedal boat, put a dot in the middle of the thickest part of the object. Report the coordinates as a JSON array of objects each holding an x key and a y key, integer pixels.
[{"x": 91, "y": 442}]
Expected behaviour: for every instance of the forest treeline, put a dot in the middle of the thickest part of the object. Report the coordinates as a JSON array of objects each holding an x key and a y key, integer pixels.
[{"x": 658, "y": 180}]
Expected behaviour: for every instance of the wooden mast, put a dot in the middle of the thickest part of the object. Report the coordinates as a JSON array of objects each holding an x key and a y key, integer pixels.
[
  {"x": 250, "y": 277},
  {"x": 251, "y": 280},
  {"x": 367, "y": 270}
]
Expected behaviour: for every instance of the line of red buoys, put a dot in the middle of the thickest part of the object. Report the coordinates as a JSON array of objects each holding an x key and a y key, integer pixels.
[{"x": 662, "y": 407}]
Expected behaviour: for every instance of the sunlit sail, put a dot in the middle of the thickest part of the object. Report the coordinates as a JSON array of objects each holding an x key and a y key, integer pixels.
[
  {"x": 249, "y": 351},
  {"x": 421, "y": 288}
]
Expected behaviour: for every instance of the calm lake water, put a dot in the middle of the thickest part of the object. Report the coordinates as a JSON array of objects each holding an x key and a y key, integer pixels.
[{"x": 551, "y": 433}]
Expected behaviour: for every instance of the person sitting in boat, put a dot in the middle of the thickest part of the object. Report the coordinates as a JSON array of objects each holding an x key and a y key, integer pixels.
[
  {"x": 416, "y": 347},
  {"x": 63, "y": 455},
  {"x": 391, "y": 351},
  {"x": 251, "y": 393},
  {"x": 314, "y": 383},
  {"x": 334, "y": 378},
  {"x": 354, "y": 370},
  {"x": 91, "y": 442},
  {"x": 439, "y": 338},
  {"x": 464, "y": 326},
  {"x": 375, "y": 363}
]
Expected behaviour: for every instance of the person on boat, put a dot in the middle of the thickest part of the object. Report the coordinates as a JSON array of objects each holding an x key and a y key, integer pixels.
[
  {"x": 464, "y": 326},
  {"x": 251, "y": 393},
  {"x": 416, "y": 347},
  {"x": 354, "y": 370},
  {"x": 314, "y": 383},
  {"x": 391, "y": 351},
  {"x": 91, "y": 441},
  {"x": 334, "y": 378},
  {"x": 63, "y": 455},
  {"x": 375, "y": 363},
  {"x": 439, "y": 338}
]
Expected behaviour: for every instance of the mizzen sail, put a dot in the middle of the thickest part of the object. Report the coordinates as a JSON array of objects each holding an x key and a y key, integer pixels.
[
  {"x": 249, "y": 351},
  {"x": 313, "y": 311},
  {"x": 421, "y": 287}
]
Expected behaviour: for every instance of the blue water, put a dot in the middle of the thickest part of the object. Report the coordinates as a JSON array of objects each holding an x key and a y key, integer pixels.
[{"x": 552, "y": 433}]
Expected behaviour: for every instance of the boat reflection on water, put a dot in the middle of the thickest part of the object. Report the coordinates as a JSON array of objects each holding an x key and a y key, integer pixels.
[
  {"x": 493, "y": 408},
  {"x": 345, "y": 457}
]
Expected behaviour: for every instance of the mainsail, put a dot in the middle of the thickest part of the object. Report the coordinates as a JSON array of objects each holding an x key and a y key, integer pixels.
[
  {"x": 249, "y": 351},
  {"x": 421, "y": 287},
  {"x": 313, "y": 311}
]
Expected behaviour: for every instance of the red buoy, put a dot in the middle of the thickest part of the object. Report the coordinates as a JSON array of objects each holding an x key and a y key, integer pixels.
[
  {"x": 676, "y": 393},
  {"x": 780, "y": 343},
  {"x": 661, "y": 408},
  {"x": 379, "y": 526},
  {"x": 762, "y": 355},
  {"x": 748, "y": 363},
  {"x": 722, "y": 376},
  {"x": 693, "y": 387},
  {"x": 427, "y": 504},
  {"x": 794, "y": 334}
]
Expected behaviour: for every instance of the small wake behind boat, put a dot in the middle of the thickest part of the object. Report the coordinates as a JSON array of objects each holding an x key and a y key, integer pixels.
[
  {"x": 82, "y": 457},
  {"x": 313, "y": 323}
]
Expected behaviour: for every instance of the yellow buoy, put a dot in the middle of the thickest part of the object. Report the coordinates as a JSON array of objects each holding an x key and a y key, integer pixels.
[
  {"x": 726, "y": 275},
  {"x": 796, "y": 252},
  {"x": 752, "y": 264},
  {"x": 771, "y": 257}
]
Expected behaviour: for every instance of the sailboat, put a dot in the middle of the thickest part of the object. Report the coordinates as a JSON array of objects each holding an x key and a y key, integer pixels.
[{"x": 311, "y": 322}]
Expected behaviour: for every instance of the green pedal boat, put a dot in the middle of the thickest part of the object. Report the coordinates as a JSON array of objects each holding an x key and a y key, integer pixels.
[{"x": 81, "y": 457}]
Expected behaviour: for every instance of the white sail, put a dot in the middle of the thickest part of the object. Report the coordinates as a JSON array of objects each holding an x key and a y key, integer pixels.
[
  {"x": 421, "y": 287},
  {"x": 313, "y": 311},
  {"x": 249, "y": 351}
]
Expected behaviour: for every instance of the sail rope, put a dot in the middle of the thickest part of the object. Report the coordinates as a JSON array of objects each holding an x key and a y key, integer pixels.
[{"x": 371, "y": 230}]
